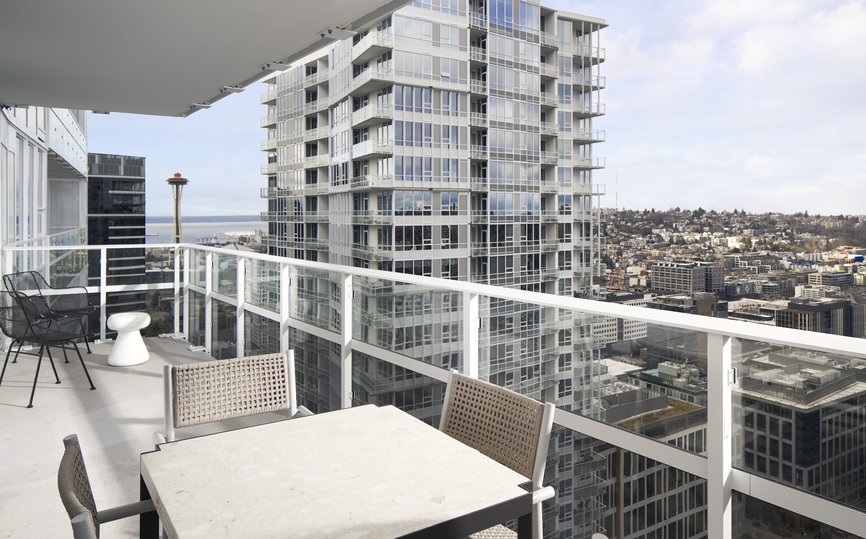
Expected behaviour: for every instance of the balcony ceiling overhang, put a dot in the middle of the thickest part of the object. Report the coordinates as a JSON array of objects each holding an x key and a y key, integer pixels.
[{"x": 160, "y": 57}]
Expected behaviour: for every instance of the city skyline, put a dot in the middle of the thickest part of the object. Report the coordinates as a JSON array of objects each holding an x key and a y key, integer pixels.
[{"x": 710, "y": 105}]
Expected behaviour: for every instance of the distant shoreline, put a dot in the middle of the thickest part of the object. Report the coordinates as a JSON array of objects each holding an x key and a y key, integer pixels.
[{"x": 155, "y": 219}]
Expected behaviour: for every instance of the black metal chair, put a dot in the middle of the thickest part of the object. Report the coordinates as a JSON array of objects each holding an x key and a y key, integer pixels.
[
  {"x": 70, "y": 301},
  {"x": 23, "y": 319}
]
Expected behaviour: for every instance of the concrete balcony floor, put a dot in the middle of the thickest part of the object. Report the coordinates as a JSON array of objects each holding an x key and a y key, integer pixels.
[{"x": 115, "y": 424}]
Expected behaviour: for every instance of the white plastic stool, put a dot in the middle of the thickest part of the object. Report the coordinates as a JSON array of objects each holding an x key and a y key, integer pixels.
[{"x": 129, "y": 347}]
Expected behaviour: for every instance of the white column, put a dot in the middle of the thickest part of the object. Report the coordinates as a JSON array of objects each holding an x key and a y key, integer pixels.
[
  {"x": 240, "y": 289},
  {"x": 103, "y": 295},
  {"x": 176, "y": 289},
  {"x": 186, "y": 270},
  {"x": 346, "y": 342},
  {"x": 208, "y": 302},
  {"x": 719, "y": 416},
  {"x": 471, "y": 324},
  {"x": 285, "y": 281}
]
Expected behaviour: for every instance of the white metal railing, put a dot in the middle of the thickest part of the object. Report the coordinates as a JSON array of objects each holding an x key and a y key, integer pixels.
[{"x": 715, "y": 467}]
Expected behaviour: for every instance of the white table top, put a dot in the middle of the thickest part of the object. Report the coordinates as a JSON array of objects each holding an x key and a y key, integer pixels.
[{"x": 362, "y": 472}]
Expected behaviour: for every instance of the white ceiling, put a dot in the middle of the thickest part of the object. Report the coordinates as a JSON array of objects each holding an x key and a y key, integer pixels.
[{"x": 158, "y": 56}]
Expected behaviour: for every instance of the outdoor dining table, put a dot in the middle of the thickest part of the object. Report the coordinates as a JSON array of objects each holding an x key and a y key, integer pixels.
[{"x": 358, "y": 472}]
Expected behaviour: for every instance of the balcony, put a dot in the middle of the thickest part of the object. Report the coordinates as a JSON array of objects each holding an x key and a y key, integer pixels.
[
  {"x": 269, "y": 168},
  {"x": 317, "y": 78},
  {"x": 589, "y": 163},
  {"x": 594, "y": 55},
  {"x": 372, "y": 46},
  {"x": 315, "y": 161},
  {"x": 589, "y": 83},
  {"x": 373, "y": 147},
  {"x": 588, "y": 110},
  {"x": 477, "y": 54},
  {"x": 478, "y": 21},
  {"x": 372, "y": 115},
  {"x": 226, "y": 301},
  {"x": 316, "y": 134},
  {"x": 370, "y": 80},
  {"x": 549, "y": 70},
  {"x": 548, "y": 99},
  {"x": 589, "y": 136},
  {"x": 269, "y": 144},
  {"x": 477, "y": 86},
  {"x": 549, "y": 40},
  {"x": 269, "y": 120},
  {"x": 269, "y": 96},
  {"x": 478, "y": 151}
]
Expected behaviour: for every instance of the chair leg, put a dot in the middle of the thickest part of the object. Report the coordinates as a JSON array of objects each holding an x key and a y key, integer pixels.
[
  {"x": 20, "y": 344},
  {"x": 87, "y": 339},
  {"x": 83, "y": 366},
  {"x": 3, "y": 373},
  {"x": 65, "y": 357},
  {"x": 36, "y": 376},
  {"x": 51, "y": 359}
]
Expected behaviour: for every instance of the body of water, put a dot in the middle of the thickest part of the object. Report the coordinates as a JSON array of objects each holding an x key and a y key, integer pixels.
[{"x": 194, "y": 231}]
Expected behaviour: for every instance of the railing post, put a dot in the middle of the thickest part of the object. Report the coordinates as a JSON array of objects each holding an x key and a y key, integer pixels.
[
  {"x": 471, "y": 326},
  {"x": 719, "y": 424},
  {"x": 346, "y": 344},
  {"x": 208, "y": 302},
  {"x": 103, "y": 295},
  {"x": 186, "y": 270},
  {"x": 240, "y": 343},
  {"x": 176, "y": 289},
  {"x": 285, "y": 281}
]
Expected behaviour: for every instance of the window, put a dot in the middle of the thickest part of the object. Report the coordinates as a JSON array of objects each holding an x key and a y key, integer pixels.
[
  {"x": 450, "y": 238},
  {"x": 449, "y": 204},
  {"x": 412, "y": 238}
]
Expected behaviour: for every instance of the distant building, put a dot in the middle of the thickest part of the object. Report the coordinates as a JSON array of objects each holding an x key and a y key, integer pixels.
[
  {"x": 825, "y": 315},
  {"x": 687, "y": 277},
  {"x": 608, "y": 329},
  {"x": 115, "y": 193},
  {"x": 799, "y": 423},
  {"x": 841, "y": 279},
  {"x": 816, "y": 291}
]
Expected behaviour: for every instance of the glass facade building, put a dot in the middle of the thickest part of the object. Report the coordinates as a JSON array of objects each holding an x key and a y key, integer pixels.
[{"x": 451, "y": 139}]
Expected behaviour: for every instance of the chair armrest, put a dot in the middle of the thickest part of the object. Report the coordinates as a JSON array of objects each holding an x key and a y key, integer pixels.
[
  {"x": 123, "y": 511},
  {"x": 303, "y": 411},
  {"x": 542, "y": 494},
  {"x": 159, "y": 438}
]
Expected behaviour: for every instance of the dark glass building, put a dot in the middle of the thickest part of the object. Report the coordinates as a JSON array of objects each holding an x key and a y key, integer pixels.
[{"x": 115, "y": 215}]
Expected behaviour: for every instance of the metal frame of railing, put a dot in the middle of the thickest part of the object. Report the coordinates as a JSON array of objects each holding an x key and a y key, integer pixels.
[{"x": 716, "y": 467}]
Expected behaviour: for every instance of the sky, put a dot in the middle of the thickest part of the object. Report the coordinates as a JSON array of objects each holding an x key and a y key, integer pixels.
[{"x": 720, "y": 104}]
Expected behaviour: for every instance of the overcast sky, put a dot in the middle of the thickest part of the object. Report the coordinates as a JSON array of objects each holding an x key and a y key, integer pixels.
[{"x": 756, "y": 105}]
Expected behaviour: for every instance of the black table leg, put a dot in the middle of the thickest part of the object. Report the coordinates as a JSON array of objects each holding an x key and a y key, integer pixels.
[{"x": 148, "y": 526}]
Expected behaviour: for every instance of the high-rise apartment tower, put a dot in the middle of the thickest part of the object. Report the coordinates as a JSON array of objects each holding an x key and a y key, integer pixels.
[{"x": 452, "y": 139}]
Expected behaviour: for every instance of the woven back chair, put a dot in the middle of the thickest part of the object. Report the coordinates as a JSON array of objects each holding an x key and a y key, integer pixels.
[
  {"x": 508, "y": 427},
  {"x": 210, "y": 391},
  {"x": 77, "y": 495}
]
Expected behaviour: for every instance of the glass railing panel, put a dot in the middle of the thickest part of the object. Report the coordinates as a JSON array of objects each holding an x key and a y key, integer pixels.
[
  {"x": 225, "y": 275},
  {"x": 198, "y": 267},
  {"x": 262, "y": 284},
  {"x": 601, "y": 488},
  {"x": 756, "y": 519},
  {"x": 261, "y": 335},
  {"x": 317, "y": 362},
  {"x": 316, "y": 297},
  {"x": 378, "y": 382},
  {"x": 159, "y": 304},
  {"x": 196, "y": 319},
  {"x": 641, "y": 377},
  {"x": 124, "y": 266},
  {"x": 224, "y": 330},
  {"x": 159, "y": 265},
  {"x": 68, "y": 267},
  {"x": 799, "y": 418},
  {"x": 422, "y": 323}
]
